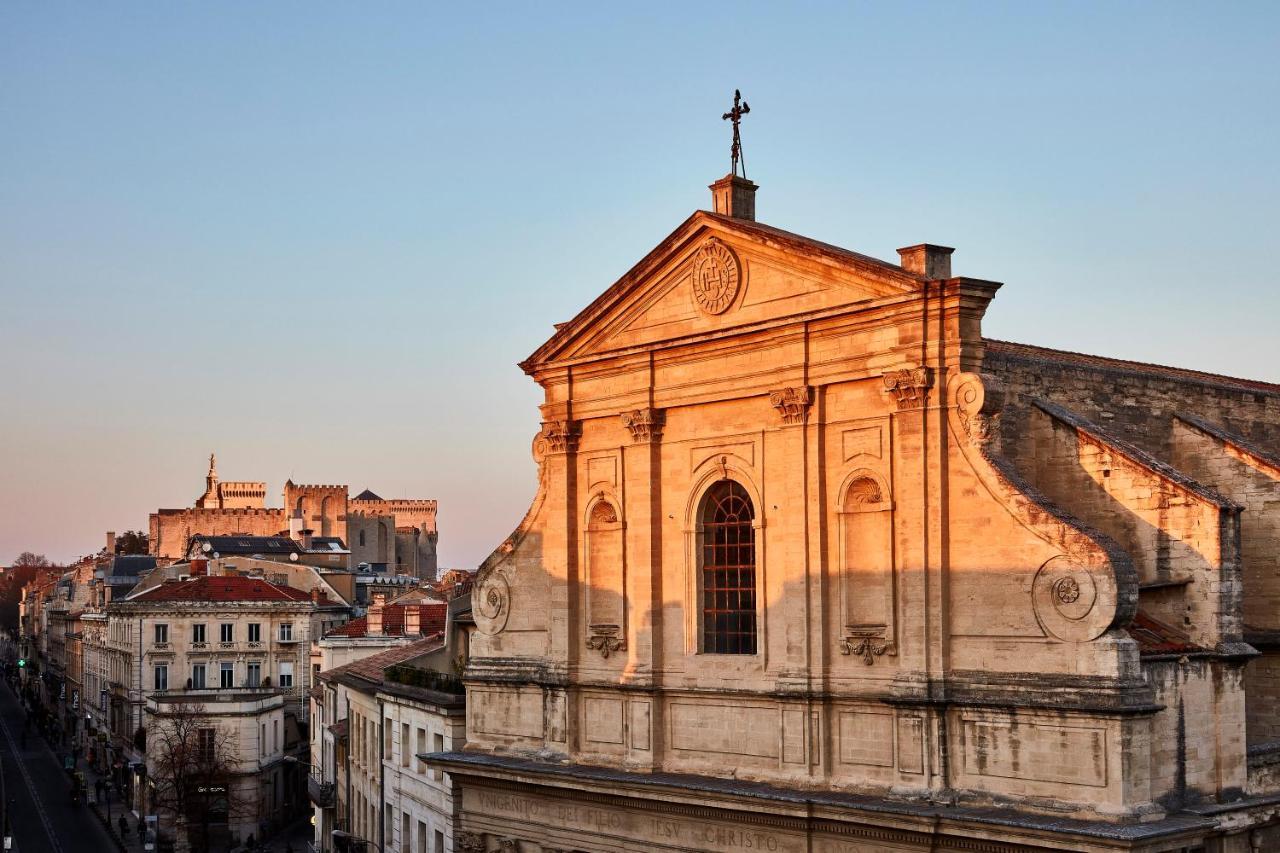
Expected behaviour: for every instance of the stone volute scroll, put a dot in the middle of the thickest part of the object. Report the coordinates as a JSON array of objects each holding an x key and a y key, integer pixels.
[
  {"x": 492, "y": 603},
  {"x": 1072, "y": 601},
  {"x": 792, "y": 403},
  {"x": 978, "y": 401},
  {"x": 717, "y": 277},
  {"x": 909, "y": 387}
]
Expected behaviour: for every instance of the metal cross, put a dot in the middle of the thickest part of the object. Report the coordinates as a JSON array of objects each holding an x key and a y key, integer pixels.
[{"x": 735, "y": 115}]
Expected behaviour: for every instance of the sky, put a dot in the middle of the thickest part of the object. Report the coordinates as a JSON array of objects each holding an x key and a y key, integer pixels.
[{"x": 316, "y": 238}]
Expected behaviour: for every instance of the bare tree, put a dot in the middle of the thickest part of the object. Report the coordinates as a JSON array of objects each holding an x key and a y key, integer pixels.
[{"x": 193, "y": 767}]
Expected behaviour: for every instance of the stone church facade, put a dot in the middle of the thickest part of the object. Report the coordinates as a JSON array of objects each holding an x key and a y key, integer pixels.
[
  {"x": 815, "y": 566},
  {"x": 400, "y": 534}
]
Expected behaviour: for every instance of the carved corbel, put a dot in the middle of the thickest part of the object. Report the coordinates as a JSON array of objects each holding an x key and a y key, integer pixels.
[
  {"x": 792, "y": 402},
  {"x": 645, "y": 425},
  {"x": 509, "y": 845},
  {"x": 606, "y": 639},
  {"x": 909, "y": 386},
  {"x": 561, "y": 436},
  {"x": 866, "y": 644}
]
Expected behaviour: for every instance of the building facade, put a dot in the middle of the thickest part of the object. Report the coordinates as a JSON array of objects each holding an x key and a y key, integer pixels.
[
  {"x": 815, "y": 566},
  {"x": 400, "y": 534}
]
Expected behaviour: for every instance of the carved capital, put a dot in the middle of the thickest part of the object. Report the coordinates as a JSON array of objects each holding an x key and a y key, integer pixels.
[
  {"x": 469, "y": 842},
  {"x": 561, "y": 436},
  {"x": 908, "y": 386},
  {"x": 645, "y": 425},
  {"x": 866, "y": 644},
  {"x": 792, "y": 402},
  {"x": 606, "y": 639},
  {"x": 509, "y": 845}
]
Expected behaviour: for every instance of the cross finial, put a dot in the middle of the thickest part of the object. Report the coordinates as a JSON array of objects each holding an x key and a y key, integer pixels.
[{"x": 740, "y": 108}]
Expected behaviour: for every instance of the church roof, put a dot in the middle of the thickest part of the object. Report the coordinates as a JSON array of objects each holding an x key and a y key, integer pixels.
[
  {"x": 367, "y": 495},
  {"x": 225, "y": 545},
  {"x": 1067, "y": 358}
]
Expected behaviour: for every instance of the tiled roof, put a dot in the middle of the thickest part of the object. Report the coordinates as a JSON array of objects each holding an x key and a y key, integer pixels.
[
  {"x": 1078, "y": 359},
  {"x": 371, "y": 668},
  {"x": 430, "y": 620},
  {"x": 229, "y": 588},
  {"x": 226, "y": 545},
  {"x": 366, "y": 495},
  {"x": 1157, "y": 638}
]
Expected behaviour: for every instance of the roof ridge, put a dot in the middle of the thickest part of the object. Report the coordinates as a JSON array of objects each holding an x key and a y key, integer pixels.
[{"x": 1012, "y": 347}]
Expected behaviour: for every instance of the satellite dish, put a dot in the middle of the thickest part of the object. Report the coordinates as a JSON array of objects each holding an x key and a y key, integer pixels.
[
  {"x": 207, "y": 547},
  {"x": 293, "y": 557}
]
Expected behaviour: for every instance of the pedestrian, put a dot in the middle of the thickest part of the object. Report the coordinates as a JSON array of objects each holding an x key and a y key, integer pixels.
[
  {"x": 142, "y": 831},
  {"x": 124, "y": 827}
]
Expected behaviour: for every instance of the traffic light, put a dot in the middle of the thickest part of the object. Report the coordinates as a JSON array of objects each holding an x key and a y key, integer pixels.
[{"x": 22, "y": 662}]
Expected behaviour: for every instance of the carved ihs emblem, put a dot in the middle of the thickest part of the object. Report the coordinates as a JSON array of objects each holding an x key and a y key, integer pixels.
[{"x": 715, "y": 277}]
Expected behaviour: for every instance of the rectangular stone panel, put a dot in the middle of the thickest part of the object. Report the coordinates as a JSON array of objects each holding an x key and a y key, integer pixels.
[
  {"x": 793, "y": 736},
  {"x": 732, "y": 729},
  {"x": 602, "y": 470},
  {"x": 866, "y": 737},
  {"x": 640, "y": 724},
  {"x": 505, "y": 712},
  {"x": 911, "y": 744},
  {"x": 867, "y": 441},
  {"x": 602, "y": 720},
  {"x": 1036, "y": 751}
]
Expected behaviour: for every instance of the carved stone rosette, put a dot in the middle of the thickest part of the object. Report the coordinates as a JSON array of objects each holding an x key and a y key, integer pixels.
[
  {"x": 792, "y": 402},
  {"x": 469, "y": 842},
  {"x": 908, "y": 386},
  {"x": 561, "y": 436},
  {"x": 606, "y": 639},
  {"x": 645, "y": 425},
  {"x": 867, "y": 645}
]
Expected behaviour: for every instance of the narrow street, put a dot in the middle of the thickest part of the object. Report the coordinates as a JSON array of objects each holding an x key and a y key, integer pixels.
[{"x": 43, "y": 818}]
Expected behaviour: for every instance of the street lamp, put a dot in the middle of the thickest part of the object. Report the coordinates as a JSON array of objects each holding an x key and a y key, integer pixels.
[{"x": 338, "y": 833}]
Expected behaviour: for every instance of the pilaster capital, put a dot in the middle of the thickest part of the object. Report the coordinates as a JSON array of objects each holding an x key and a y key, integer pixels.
[
  {"x": 792, "y": 402},
  {"x": 645, "y": 425}
]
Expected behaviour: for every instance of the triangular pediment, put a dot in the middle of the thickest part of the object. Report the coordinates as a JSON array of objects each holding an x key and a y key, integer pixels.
[{"x": 714, "y": 274}]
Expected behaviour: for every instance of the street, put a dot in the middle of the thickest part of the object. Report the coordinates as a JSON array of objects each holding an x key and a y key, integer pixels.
[{"x": 42, "y": 816}]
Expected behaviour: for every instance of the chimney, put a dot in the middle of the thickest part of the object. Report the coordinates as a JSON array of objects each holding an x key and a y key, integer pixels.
[
  {"x": 306, "y": 538},
  {"x": 315, "y": 595},
  {"x": 412, "y": 623},
  {"x": 375, "y": 620},
  {"x": 928, "y": 260},
  {"x": 111, "y": 542},
  {"x": 199, "y": 567},
  {"x": 734, "y": 196}
]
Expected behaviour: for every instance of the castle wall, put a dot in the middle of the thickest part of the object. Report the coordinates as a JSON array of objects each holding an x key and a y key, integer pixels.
[{"x": 172, "y": 529}]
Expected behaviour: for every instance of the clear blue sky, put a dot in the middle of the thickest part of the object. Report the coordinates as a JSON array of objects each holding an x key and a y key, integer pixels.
[{"x": 317, "y": 237}]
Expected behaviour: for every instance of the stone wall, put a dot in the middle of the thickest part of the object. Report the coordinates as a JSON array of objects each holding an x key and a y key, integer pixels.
[{"x": 171, "y": 529}]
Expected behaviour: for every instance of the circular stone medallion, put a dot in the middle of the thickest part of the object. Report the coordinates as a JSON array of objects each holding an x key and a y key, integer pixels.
[
  {"x": 1073, "y": 602},
  {"x": 716, "y": 277}
]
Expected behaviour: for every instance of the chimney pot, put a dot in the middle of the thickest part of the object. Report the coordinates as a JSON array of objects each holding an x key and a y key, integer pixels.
[
  {"x": 374, "y": 620},
  {"x": 928, "y": 260},
  {"x": 412, "y": 622},
  {"x": 111, "y": 542},
  {"x": 734, "y": 196}
]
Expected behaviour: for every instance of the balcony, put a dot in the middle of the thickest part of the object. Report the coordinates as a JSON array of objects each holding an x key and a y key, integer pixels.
[
  {"x": 287, "y": 641},
  {"x": 196, "y": 647},
  {"x": 321, "y": 793},
  {"x": 254, "y": 644},
  {"x": 225, "y": 646}
]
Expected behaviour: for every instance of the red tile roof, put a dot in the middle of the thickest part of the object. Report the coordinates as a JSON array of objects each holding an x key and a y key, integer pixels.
[
  {"x": 430, "y": 620},
  {"x": 229, "y": 588},
  {"x": 1157, "y": 638}
]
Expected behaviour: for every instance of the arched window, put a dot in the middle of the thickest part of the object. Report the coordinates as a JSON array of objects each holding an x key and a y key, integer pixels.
[{"x": 728, "y": 571}]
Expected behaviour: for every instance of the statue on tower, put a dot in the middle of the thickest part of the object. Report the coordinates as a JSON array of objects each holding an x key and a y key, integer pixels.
[{"x": 740, "y": 108}]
